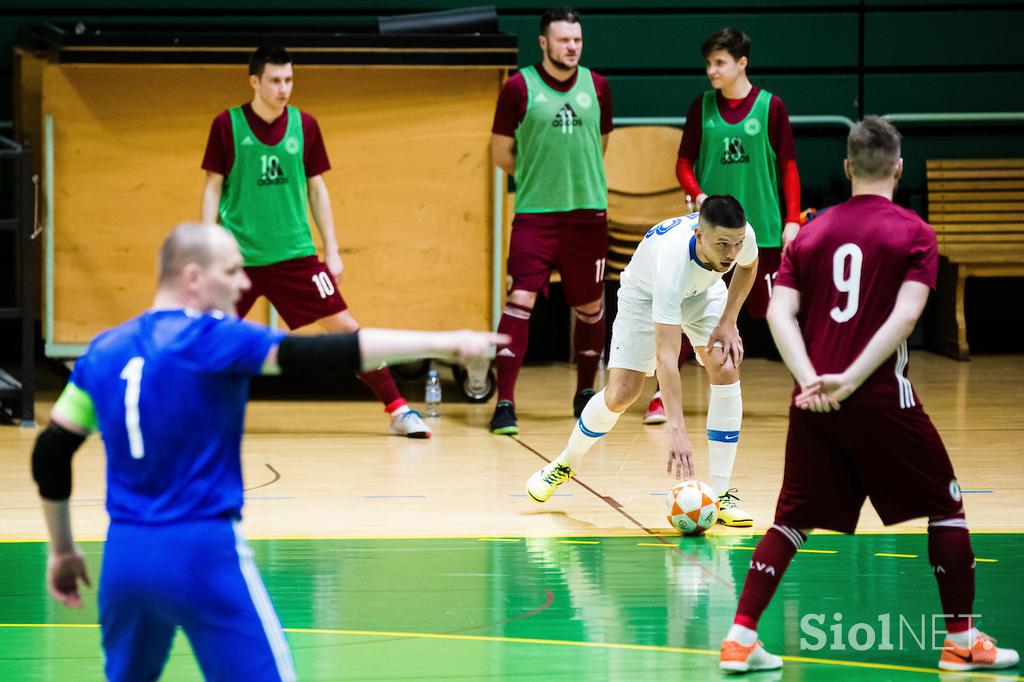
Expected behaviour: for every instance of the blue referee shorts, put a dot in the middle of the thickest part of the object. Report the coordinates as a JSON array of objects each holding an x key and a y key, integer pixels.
[{"x": 198, "y": 575}]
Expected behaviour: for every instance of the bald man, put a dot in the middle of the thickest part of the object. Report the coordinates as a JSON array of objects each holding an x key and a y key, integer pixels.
[{"x": 168, "y": 390}]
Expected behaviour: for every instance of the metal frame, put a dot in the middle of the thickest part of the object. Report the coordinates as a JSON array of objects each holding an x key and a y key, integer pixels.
[{"x": 24, "y": 224}]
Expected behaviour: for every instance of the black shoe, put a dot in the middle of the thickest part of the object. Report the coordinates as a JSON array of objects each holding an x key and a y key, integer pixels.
[
  {"x": 503, "y": 423},
  {"x": 580, "y": 401}
]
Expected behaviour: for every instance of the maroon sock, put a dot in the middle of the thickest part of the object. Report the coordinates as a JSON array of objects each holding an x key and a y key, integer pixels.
[
  {"x": 588, "y": 343},
  {"x": 772, "y": 556},
  {"x": 952, "y": 560},
  {"x": 383, "y": 386},
  {"x": 515, "y": 321}
]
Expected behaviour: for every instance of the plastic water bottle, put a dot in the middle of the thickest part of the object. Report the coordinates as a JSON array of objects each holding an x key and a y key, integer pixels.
[{"x": 433, "y": 395}]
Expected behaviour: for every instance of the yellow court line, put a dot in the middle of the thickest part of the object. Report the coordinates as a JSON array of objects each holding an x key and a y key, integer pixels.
[
  {"x": 803, "y": 551},
  {"x": 897, "y": 556},
  {"x": 590, "y": 542},
  {"x": 499, "y": 539},
  {"x": 564, "y": 642},
  {"x": 986, "y": 561},
  {"x": 655, "y": 544}
]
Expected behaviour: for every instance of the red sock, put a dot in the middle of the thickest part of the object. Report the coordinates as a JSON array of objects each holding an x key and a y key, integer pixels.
[
  {"x": 952, "y": 560},
  {"x": 588, "y": 343},
  {"x": 383, "y": 386},
  {"x": 770, "y": 560},
  {"x": 515, "y": 321}
]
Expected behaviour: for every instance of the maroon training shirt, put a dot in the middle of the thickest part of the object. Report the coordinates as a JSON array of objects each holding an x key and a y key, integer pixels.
[
  {"x": 220, "y": 146},
  {"x": 841, "y": 309},
  {"x": 512, "y": 100}
]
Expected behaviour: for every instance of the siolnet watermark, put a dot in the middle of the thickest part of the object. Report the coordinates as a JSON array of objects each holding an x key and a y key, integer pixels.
[{"x": 888, "y": 632}]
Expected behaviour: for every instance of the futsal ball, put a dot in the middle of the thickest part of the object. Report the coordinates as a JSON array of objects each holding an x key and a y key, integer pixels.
[{"x": 692, "y": 507}]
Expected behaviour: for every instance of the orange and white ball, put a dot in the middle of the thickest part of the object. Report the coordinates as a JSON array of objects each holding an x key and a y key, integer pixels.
[{"x": 692, "y": 507}]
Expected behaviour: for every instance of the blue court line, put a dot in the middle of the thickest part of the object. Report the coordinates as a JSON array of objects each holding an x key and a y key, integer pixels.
[
  {"x": 968, "y": 492},
  {"x": 394, "y": 497}
]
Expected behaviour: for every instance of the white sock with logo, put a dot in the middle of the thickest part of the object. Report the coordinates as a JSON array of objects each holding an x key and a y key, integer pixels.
[
  {"x": 725, "y": 413},
  {"x": 595, "y": 421}
]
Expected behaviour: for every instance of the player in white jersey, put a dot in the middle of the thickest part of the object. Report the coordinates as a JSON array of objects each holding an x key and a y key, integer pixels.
[{"x": 674, "y": 283}]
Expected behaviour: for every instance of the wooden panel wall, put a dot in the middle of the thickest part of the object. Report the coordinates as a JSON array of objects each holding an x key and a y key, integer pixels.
[{"x": 410, "y": 184}]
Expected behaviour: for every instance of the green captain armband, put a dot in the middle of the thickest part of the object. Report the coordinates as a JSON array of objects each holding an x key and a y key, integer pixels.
[{"x": 76, "y": 406}]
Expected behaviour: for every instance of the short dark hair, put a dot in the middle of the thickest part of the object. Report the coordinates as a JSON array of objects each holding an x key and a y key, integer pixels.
[
  {"x": 558, "y": 14},
  {"x": 722, "y": 210},
  {"x": 267, "y": 55},
  {"x": 733, "y": 41},
  {"x": 873, "y": 148}
]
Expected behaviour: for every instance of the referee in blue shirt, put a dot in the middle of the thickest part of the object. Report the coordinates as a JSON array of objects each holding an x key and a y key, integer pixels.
[{"x": 168, "y": 390}]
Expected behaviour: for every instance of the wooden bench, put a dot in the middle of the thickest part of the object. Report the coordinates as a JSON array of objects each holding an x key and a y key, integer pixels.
[
  {"x": 642, "y": 188},
  {"x": 977, "y": 209}
]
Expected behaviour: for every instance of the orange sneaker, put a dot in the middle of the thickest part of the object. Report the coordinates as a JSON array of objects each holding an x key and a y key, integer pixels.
[
  {"x": 983, "y": 654},
  {"x": 736, "y": 658}
]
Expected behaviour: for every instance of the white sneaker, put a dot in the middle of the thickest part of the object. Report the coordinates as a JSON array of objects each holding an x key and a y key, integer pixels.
[
  {"x": 736, "y": 658},
  {"x": 541, "y": 486},
  {"x": 983, "y": 654},
  {"x": 410, "y": 425}
]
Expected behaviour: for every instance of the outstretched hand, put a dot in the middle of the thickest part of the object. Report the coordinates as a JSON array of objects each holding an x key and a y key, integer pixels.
[
  {"x": 680, "y": 456},
  {"x": 63, "y": 571},
  {"x": 469, "y": 344}
]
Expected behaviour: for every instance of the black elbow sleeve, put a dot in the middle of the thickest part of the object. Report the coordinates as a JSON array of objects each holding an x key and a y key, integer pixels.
[
  {"x": 333, "y": 353},
  {"x": 51, "y": 461}
]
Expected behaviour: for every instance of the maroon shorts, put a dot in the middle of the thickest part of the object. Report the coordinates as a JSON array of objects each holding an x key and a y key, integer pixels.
[
  {"x": 301, "y": 289},
  {"x": 768, "y": 261},
  {"x": 836, "y": 459},
  {"x": 575, "y": 242}
]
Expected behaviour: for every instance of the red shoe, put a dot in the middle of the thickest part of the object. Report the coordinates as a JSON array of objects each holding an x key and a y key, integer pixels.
[{"x": 655, "y": 411}]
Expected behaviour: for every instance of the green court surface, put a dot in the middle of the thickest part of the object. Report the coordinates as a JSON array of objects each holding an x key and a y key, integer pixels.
[{"x": 619, "y": 608}]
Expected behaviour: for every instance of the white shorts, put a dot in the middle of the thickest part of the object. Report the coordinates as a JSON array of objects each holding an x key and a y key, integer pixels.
[{"x": 633, "y": 345}]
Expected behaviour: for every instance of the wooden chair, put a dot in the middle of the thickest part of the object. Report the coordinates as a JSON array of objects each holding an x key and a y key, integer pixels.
[
  {"x": 977, "y": 209},
  {"x": 642, "y": 188}
]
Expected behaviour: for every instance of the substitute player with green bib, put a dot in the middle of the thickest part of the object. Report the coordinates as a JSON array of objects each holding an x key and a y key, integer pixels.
[
  {"x": 550, "y": 131},
  {"x": 264, "y": 168}
]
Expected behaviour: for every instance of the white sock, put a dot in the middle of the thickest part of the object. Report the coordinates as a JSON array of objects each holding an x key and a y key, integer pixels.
[
  {"x": 725, "y": 412},
  {"x": 595, "y": 421},
  {"x": 399, "y": 411},
  {"x": 744, "y": 635},
  {"x": 963, "y": 639}
]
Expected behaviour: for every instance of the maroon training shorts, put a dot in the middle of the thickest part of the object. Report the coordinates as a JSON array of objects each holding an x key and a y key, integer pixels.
[
  {"x": 301, "y": 289},
  {"x": 575, "y": 242},
  {"x": 768, "y": 261},
  {"x": 893, "y": 456}
]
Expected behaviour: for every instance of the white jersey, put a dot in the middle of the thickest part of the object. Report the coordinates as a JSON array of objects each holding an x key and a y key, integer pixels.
[{"x": 665, "y": 269}]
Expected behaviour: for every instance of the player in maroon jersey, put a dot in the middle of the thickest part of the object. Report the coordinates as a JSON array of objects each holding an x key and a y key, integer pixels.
[{"x": 850, "y": 290}]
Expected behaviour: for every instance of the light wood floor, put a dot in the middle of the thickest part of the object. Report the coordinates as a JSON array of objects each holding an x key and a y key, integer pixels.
[{"x": 330, "y": 469}]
